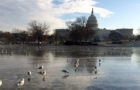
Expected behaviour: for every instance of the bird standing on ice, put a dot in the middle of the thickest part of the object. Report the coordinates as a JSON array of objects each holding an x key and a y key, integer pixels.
[
  {"x": 41, "y": 67},
  {"x": 44, "y": 73},
  {"x": 0, "y": 83},
  {"x": 95, "y": 67},
  {"x": 21, "y": 82},
  {"x": 29, "y": 73},
  {"x": 65, "y": 71},
  {"x": 99, "y": 60}
]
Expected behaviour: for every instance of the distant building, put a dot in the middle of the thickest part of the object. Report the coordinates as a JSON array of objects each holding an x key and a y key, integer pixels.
[
  {"x": 103, "y": 34},
  {"x": 62, "y": 35},
  {"x": 92, "y": 23},
  {"x": 100, "y": 34}
]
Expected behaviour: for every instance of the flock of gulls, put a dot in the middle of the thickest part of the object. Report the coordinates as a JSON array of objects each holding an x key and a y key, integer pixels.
[{"x": 21, "y": 82}]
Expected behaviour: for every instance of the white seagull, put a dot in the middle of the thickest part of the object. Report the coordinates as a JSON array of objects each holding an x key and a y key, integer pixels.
[
  {"x": 0, "y": 83},
  {"x": 77, "y": 63},
  {"x": 44, "y": 73},
  {"x": 21, "y": 82}
]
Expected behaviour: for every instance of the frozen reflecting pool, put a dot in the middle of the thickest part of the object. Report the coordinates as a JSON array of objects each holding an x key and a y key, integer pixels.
[{"x": 119, "y": 68}]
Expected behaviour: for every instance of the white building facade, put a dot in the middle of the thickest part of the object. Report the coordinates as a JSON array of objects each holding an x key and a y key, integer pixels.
[
  {"x": 101, "y": 34},
  {"x": 104, "y": 34}
]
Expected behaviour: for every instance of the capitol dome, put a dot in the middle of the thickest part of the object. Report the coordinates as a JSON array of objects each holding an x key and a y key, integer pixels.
[{"x": 92, "y": 22}]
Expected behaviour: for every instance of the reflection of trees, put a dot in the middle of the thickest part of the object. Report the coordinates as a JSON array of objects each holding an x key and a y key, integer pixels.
[
  {"x": 118, "y": 51},
  {"x": 38, "y": 52},
  {"x": 75, "y": 51},
  {"x": 66, "y": 51},
  {"x": 88, "y": 54},
  {"x": 23, "y": 50},
  {"x": 38, "y": 56},
  {"x": 84, "y": 63},
  {"x": 91, "y": 63},
  {"x": 90, "y": 51}
]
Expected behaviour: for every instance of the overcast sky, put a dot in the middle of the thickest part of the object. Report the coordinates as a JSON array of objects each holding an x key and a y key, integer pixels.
[{"x": 111, "y": 14}]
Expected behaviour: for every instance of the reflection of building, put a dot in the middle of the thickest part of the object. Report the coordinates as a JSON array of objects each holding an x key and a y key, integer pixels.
[{"x": 101, "y": 34}]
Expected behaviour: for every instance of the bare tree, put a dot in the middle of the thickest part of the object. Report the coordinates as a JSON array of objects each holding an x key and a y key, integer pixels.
[
  {"x": 38, "y": 30},
  {"x": 79, "y": 31},
  {"x": 80, "y": 22},
  {"x": 21, "y": 36}
]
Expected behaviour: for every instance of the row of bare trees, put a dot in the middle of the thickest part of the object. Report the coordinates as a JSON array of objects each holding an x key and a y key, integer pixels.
[
  {"x": 38, "y": 31},
  {"x": 78, "y": 30},
  {"x": 35, "y": 33}
]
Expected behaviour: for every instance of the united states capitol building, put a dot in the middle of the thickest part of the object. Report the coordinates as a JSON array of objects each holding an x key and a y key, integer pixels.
[{"x": 102, "y": 34}]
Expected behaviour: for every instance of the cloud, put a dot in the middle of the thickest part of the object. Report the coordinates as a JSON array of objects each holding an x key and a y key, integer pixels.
[{"x": 18, "y": 13}]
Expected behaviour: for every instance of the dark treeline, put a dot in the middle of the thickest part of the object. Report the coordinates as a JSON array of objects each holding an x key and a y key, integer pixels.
[
  {"x": 35, "y": 33},
  {"x": 79, "y": 31}
]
